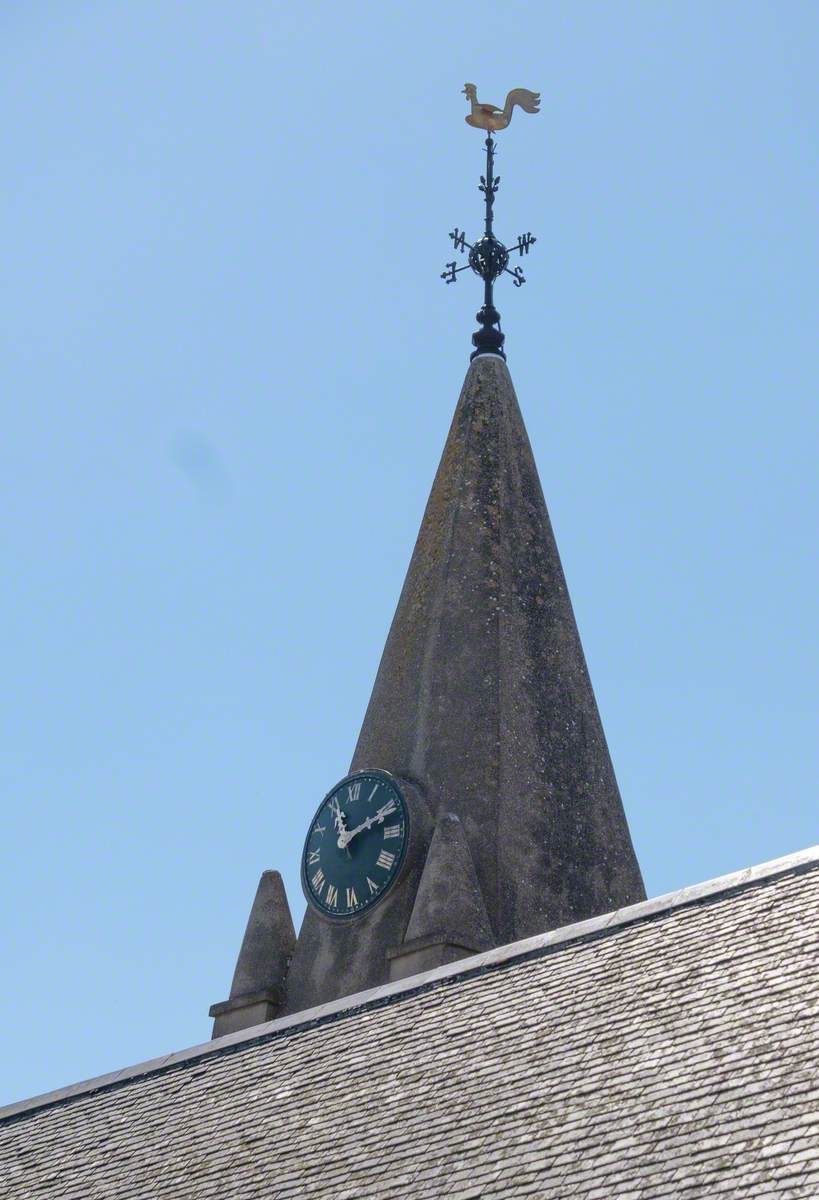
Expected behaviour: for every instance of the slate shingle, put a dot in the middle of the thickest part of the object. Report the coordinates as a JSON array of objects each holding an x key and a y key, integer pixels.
[{"x": 675, "y": 1057}]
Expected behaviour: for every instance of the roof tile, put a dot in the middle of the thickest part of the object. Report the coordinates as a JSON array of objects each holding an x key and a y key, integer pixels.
[{"x": 674, "y": 1056}]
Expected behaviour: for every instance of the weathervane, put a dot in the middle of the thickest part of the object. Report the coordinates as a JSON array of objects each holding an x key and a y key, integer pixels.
[{"x": 488, "y": 257}]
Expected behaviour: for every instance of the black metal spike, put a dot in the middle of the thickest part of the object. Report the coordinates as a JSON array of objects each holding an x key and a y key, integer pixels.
[{"x": 489, "y": 258}]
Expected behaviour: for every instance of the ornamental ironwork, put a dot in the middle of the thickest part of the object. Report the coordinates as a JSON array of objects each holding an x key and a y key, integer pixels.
[{"x": 488, "y": 257}]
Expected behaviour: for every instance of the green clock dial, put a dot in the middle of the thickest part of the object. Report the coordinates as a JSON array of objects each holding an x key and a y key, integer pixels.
[{"x": 356, "y": 845}]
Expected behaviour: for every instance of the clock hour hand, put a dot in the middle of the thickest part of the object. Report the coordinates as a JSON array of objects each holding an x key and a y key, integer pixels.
[
  {"x": 346, "y": 836},
  {"x": 338, "y": 817}
]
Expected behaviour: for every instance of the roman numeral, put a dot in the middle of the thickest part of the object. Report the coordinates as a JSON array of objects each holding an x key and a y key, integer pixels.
[
  {"x": 372, "y": 794},
  {"x": 313, "y": 857},
  {"x": 372, "y": 886},
  {"x": 385, "y": 860},
  {"x": 318, "y": 881},
  {"x": 332, "y": 895},
  {"x": 353, "y": 790},
  {"x": 388, "y": 808},
  {"x": 391, "y": 831},
  {"x": 319, "y": 828},
  {"x": 352, "y": 899}
]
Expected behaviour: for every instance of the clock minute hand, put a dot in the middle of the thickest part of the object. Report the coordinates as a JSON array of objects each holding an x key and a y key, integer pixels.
[{"x": 346, "y": 836}]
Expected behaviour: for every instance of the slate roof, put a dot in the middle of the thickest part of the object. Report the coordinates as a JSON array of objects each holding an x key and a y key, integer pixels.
[{"x": 667, "y": 1050}]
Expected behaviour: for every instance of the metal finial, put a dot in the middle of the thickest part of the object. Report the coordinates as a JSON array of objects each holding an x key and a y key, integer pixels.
[{"x": 488, "y": 257}]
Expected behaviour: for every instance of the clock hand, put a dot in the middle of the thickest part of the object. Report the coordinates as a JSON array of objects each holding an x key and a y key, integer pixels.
[
  {"x": 384, "y": 811},
  {"x": 347, "y": 835},
  {"x": 338, "y": 817}
]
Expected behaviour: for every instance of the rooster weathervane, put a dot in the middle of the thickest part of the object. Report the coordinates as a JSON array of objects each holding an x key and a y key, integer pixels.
[{"x": 488, "y": 257}]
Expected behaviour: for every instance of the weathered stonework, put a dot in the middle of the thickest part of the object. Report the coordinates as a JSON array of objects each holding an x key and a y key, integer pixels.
[
  {"x": 449, "y": 919},
  {"x": 483, "y": 701},
  {"x": 258, "y": 982}
]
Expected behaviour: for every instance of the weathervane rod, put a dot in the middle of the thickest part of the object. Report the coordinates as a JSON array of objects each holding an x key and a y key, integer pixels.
[
  {"x": 490, "y": 191},
  {"x": 488, "y": 257}
]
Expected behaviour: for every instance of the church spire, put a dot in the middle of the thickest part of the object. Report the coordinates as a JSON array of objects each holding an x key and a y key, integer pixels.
[
  {"x": 481, "y": 805},
  {"x": 483, "y": 708},
  {"x": 483, "y": 692}
]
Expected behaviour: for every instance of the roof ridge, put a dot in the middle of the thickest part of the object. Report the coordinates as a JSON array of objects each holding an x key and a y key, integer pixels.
[{"x": 712, "y": 889}]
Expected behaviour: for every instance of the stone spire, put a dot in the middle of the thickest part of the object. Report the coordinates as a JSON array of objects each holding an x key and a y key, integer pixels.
[
  {"x": 483, "y": 707},
  {"x": 449, "y": 918},
  {"x": 258, "y": 981}
]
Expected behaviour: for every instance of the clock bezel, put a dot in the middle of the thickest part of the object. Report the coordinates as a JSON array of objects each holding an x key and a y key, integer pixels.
[{"x": 343, "y": 918}]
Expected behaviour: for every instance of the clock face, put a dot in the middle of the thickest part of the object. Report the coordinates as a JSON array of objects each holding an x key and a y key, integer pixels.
[{"x": 356, "y": 845}]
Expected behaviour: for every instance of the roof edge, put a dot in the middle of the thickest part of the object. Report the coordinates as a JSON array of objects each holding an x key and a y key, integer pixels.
[{"x": 801, "y": 860}]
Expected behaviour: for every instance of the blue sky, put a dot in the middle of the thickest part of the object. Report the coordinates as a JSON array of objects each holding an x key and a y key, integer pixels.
[{"x": 228, "y": 367}]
